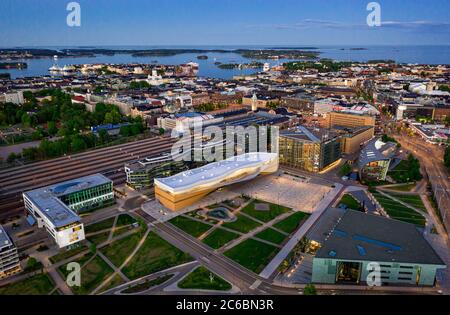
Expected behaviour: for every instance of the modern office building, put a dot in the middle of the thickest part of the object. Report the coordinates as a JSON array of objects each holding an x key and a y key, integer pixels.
[
  {"x": 141, "y": 174},
  {"x": 56, "y": 207},
  {"x": 9, "y": 257},
  {"x": 361, "y": 241},
  {"x": 310, "y": 150},
  {"x": 347, "y": 119},
  {"x": 184, "y": 189},
  {"x": 354, "y": 138},
  {"x": 374, "y": 160}
]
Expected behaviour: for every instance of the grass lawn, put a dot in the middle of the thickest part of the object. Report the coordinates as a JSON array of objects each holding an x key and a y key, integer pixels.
[
  {"x": 119, "y": 250},
  {"x": 412, "y": 200},
  {"x": 155, "y": 254},
  {"x": 65, "y": 254},
  {"x": 271, "y": 235},
  {"x": 99, "y": 226},
  {"x": 189, "y": 226},
  {"x": 98, "y": 238},
  {"x": 405, "y": 187},
  {"x": 92, "y": 274},
  {"x": 147, "y": 284},
  {"x": 397, "y": 211},
  {"x": 406, "y": 171},
  {"x": 350, "y": 202},
  {"x": 40, "y": 284},
  {"x": 242, "y": 224},
  {"x": 200, "y": 279},
  {"x": 291, "y": 223},
  {"x": 125, "y": 219},
  {"x": 252, "y": 254},
  {"x": 265, "y": 216},
  {"x": 114, "y": 282},
  {"x": 219, "y": 237}
]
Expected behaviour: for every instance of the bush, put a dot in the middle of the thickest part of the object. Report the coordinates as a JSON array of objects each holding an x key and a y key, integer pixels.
[{"x": 310, "y": 289}]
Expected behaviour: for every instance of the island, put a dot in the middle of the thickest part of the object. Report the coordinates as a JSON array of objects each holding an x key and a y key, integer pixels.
[{"x": 13, "y": 65}]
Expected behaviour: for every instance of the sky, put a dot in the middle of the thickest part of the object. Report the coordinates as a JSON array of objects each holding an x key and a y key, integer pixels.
[{"x": 223, "y": 22}]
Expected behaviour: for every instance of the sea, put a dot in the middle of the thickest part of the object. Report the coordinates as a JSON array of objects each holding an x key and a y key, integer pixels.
[{"x": 436, "y": 55}]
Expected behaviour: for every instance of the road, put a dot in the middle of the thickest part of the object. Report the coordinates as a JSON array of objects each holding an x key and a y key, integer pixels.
[
  {"x": 431, "y": 157},
  {"x": 247, "y": 281}
]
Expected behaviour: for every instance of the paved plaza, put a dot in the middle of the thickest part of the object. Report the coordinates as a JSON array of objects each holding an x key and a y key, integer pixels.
[{"x": 284, "y": 190}]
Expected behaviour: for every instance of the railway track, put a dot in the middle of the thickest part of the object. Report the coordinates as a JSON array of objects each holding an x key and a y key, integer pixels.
[
  {"x": 81, "y": 169},
  {"x": 46, "y": 166},
  {"x": 109, "y": 161}
]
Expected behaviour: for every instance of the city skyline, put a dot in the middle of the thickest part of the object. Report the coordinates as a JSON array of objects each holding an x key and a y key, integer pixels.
[{"x": 253, "y": 22}]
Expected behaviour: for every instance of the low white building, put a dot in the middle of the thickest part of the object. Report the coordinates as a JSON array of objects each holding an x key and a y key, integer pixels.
[
  {"x": 12, "y": 97},
  {"x": 55, "y": 207}
]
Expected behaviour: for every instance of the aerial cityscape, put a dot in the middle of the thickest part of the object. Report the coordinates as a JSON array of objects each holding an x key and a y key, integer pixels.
[{"x": 263, "y": 148}]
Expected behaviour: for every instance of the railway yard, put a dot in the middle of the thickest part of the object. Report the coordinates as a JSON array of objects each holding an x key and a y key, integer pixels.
[{"x": 108, "y": 161}]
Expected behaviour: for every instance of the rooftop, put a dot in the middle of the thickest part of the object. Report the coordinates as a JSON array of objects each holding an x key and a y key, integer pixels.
[
  {"x": 214, "y": 170},
  {"x": 47, "y": 199},
  {"x": 314, "y": 135},
  {"x": 366, "y": 237},
  {"x": 372, "y": 152},
  {"x": 4, "y": 238}
]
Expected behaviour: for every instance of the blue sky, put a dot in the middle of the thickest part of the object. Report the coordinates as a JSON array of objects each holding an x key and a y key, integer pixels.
[{"x": 223, "y": 22}]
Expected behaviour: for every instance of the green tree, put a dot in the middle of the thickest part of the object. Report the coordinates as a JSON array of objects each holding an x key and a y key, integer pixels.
[
  {"x": 125, "y": 131},
  {"x": 11, "y": 157},
  {"x": 103, "y": 136},
  {"x": 25, "y": 119},
  {"x": 310, "y": 289},
  {"x": 78, "y": 144},
  {"x": 51, "y": 128}
]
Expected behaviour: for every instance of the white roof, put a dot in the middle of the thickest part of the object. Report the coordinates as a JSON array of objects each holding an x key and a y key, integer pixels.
[{"x": 212, "y": 171}]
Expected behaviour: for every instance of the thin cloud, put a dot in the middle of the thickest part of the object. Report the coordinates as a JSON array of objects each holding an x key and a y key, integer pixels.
[{"x": 328, "y": 24}]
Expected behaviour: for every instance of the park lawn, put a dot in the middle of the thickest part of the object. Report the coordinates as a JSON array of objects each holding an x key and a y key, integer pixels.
[
  {"x": 252, "y": 254},
  {"x": 350, "y": 202},
  {"x": 147, "y": 284},
  {"x": 406, "y": 171},
  {"x": 291, "y": 223},
  {"x": 200, "y": 279},
  {"x": 97, "y": 239},
  {"x": 124, "y": 220},
  {"x": 190, "y": 226},
  {"x": 99, "y": 226},
  {"x": 65, "y": 254},
  {"x": 399, "y": 212},
  {"x": 242, "y": 224},
  {"x": 219, "y": 237},
  {"x": 154, "y": 255},
  {"x": 40, "y": 284},
  {"x": 114, "y": 282},
  {"x": 404, "y": 188},
  {"x": 121, "y": 230},
  {"x": 264, "y": 216},
  {"x": 271, "y": 235},
  {"x": 93, "y": 273},
  {"x": 412, "y": 200},
  {"x": 119, "y": 250}
]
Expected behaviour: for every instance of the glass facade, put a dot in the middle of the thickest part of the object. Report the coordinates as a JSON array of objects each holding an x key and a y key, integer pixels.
[
  {"x": 144, "y": 177},
  {"x": 91, "y": 198},
  {"x": 375, "y": 170},
  {"x": 307, "y": 155}
]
